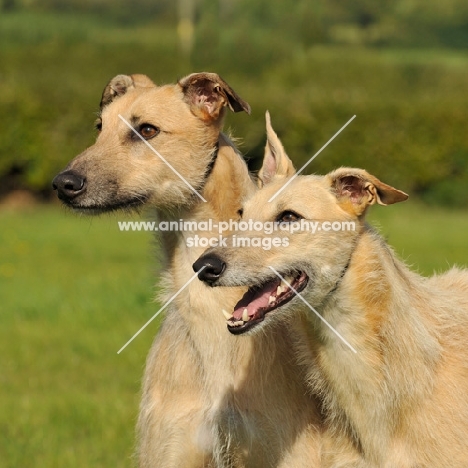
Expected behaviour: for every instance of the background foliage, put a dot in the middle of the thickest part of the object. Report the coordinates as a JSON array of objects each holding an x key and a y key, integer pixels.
[{"x": 400, "y": 66}]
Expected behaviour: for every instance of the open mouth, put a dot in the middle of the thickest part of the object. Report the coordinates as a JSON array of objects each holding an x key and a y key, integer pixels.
[{"x": 261, "y": 300}]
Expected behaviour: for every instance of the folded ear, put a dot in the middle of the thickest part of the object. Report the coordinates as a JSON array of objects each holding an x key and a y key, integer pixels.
[
  {"x": 276, "y": 162},
  {"x": 356, "y": 189},
  {"x": 120, "y": 84},
  {"x": 208, "y": 94}
]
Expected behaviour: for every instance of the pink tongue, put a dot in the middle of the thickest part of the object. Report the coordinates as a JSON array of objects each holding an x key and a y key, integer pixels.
[{"x": 254, "y": 300}]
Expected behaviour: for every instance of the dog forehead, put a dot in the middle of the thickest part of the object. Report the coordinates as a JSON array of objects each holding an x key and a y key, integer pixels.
[
  {"x": 156, "y": 102},
  {"x": 309, "y": 196},
  {"x": 165, "y": 102},
  {"x": 259, "y": 205}
]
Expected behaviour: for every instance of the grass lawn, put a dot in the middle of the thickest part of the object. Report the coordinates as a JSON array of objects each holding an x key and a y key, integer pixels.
[
  {"x": 428, "y": 239},
  {"x": 411, "y": 104},
  {"x": 74, "y": 290}
]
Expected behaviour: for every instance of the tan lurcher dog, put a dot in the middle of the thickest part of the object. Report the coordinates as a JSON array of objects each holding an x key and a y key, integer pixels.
[
  {"x": 209, "y": 400},
  {"x": 402, "y": 397}
]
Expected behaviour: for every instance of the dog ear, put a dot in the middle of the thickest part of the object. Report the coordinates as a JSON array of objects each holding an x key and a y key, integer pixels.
[
  {"x": 276, "y": 162},
  {"x": 120, "y": 84},
  {"x": 208, "y": 94},
  {"x": 356, "y": 189}
]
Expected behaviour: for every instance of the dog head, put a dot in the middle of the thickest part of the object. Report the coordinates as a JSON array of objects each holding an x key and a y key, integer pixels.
[
  {"x": 300, "y": 238},
  {"x": 155, "y": 144}
]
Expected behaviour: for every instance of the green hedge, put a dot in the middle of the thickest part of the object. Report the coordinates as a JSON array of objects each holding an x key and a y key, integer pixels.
[{"x": 411, "y": 105}]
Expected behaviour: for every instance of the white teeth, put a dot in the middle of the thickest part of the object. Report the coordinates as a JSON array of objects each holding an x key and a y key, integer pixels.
[
  {"x": 245, "y": 315},
  {"x": 289, "y": 279},
  {"x": 271, "y": 299},
  {"x": 281, "y": 289},
  {"x": 237, "y": 324},
  {"x": 227, "y": 315}
]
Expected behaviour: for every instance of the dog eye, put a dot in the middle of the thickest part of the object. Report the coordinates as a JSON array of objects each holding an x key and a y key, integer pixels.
[
  {"x": 148, "y": 131},
  {"x": 240, "y": 212},
  {"x": 288, "y": 217},
  {"x": 98, "y": 125}
]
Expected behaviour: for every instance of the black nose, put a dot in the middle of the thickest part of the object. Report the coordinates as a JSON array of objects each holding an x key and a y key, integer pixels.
[
  {"x": 213, "y": 268},
  {"x": 69, "y": 184}
]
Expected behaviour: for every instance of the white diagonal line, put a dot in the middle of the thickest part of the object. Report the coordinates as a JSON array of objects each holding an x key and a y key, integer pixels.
[
  {"x": 158, "y": 154},
  {"x": 312, "y": 158},
  {"x": 160, "y": 310},
  {"x": 314, "y": 311}
]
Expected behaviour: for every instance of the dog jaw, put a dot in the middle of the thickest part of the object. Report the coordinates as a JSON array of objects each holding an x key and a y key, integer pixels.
[{"x": 263, "y": 299}]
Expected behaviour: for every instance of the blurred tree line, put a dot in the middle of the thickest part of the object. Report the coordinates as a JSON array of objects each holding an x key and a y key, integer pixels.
[
  {"x": 401, "y": 66},
  {"x": 378, "y": 22}
]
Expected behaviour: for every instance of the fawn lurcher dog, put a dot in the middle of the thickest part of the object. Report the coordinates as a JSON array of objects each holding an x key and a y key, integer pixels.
[
  {"x": 402, "y": 398},
  {"x": 208, "y": 400}
]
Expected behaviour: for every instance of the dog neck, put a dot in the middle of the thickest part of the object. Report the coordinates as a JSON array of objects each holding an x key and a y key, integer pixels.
[
  {"x": 226, "y": 183},
  {"x": 241, "y": 378},
  {"x": 376, "y": 308},
  {"x": 211, "y": 164}
]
